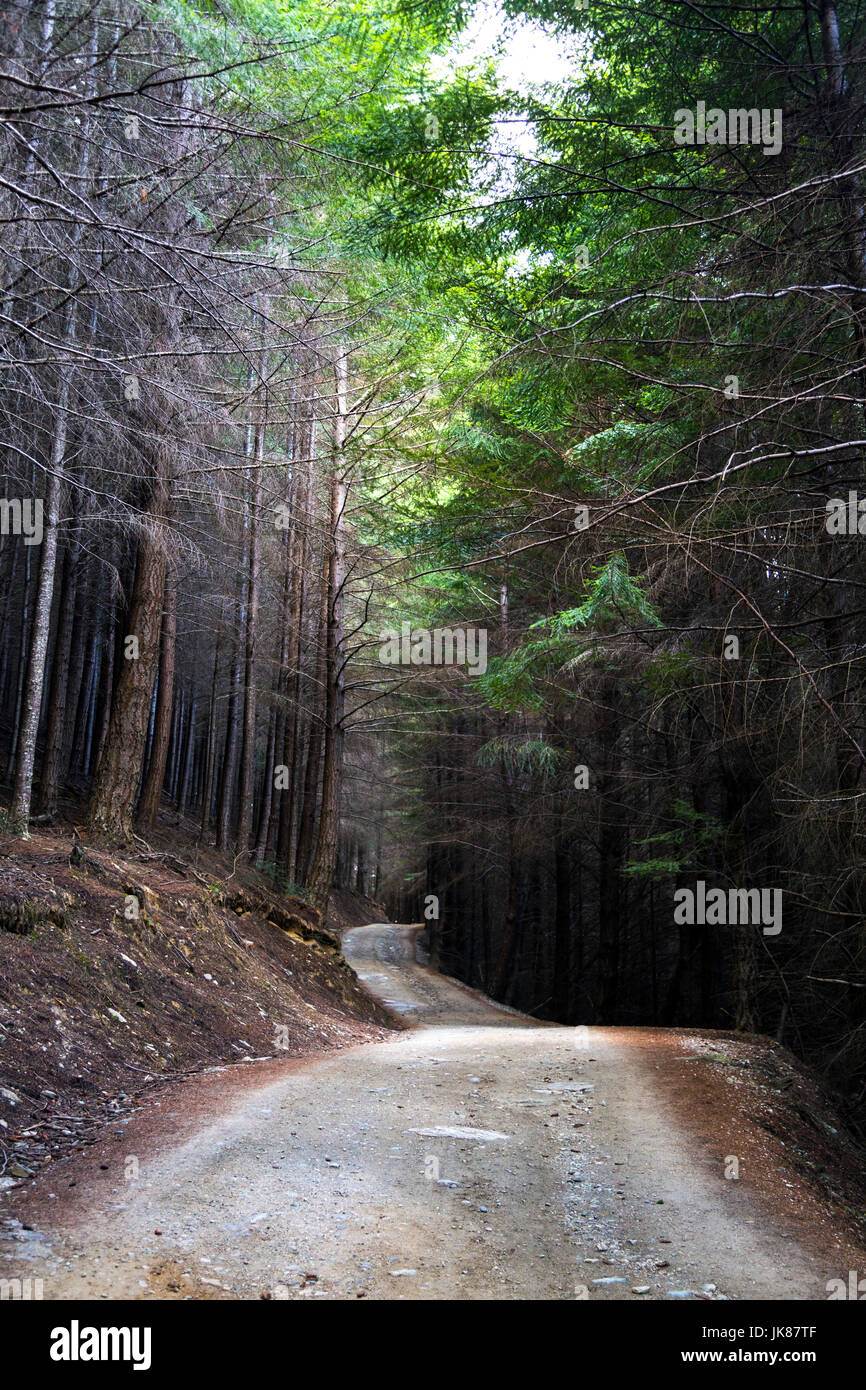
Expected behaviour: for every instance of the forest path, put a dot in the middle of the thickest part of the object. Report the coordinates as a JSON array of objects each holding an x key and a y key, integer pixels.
[{"x": 569, "y": 1175}]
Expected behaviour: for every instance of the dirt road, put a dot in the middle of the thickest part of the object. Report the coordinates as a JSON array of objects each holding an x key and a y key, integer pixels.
[{"x": 478, "y": 1155}]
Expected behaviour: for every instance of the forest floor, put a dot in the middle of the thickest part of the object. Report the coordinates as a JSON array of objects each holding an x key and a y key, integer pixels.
[{"x": 476, "y": 1154}]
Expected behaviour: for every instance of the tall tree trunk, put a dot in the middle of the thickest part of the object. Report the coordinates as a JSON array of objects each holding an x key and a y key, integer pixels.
[
  {"x": 115, "y": 786},
  {"x": 288, "y": 854},
  {"x": 267, "y": 800},
  {"x": 318, "y": 888},
  {"x": 210, "y": 753},
  {"x": 148, "y": 806},
  {"x": 55, "y": 730},
  {"x": 189, "y": 758},
  {"x": 315, "y": 738},
  {"x": 248, "y": 745},
  {"x": 109, "y": 646},
  {"x": 233, "y": 721},
  {"x": 19, "y": 812},
  {"x": 230, "y": 753},
  {"x": 21, "y": 665}
]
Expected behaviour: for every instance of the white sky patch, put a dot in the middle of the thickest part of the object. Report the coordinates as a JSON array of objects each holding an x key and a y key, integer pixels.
[{"x": 527, "y": 56}]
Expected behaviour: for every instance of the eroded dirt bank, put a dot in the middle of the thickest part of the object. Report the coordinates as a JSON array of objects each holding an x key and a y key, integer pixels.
[
  {"x": 478, "y": 1155},
  {"x": 120, "y": 972}
]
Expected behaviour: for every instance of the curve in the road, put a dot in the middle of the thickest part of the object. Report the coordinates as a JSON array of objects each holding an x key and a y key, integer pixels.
[{"x": 477, "y": 1154}]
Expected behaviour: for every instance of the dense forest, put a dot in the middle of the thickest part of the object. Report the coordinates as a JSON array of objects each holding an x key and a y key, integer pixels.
[{"x": 448, "y": 485}]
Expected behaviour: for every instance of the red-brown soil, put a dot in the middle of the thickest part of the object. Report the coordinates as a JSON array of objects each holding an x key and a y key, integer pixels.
[{"x": 98, "y": 1010}]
